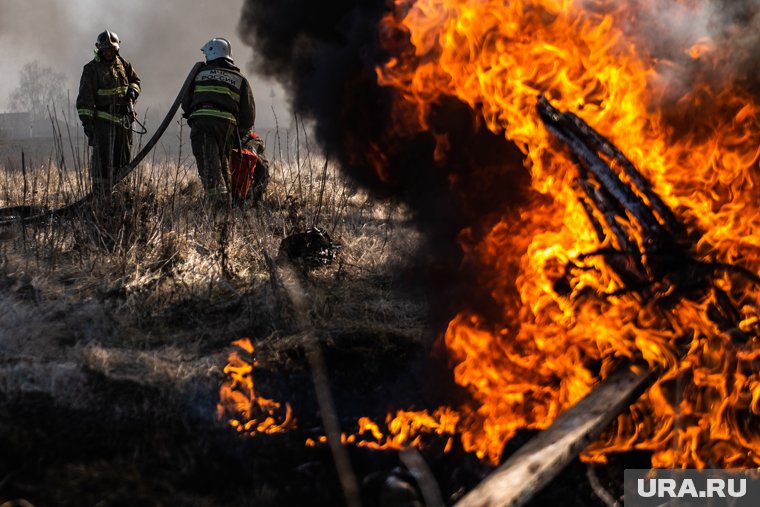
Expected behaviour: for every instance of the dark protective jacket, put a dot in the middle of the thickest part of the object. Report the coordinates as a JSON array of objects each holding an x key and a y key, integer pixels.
[
  {"x": 103, "y": 89},
  {"x": 220, "y": 91}
]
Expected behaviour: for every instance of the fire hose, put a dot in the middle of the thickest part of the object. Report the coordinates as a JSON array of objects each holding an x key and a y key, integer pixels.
[
  {"x": 31, "y": 214},
  {"x": 131, "y": 118}
]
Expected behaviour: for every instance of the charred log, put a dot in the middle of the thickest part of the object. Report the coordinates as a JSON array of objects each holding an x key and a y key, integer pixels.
[
  {"x": 581, "y": 185},
  {"x": 528, "y": 470},
  {"x": 605, "y": 206},
  {"x": 666, "y": 267},
  {"x": 562, "y": 126},
  {"x": 667, "y": 258},
  {"x": 603, "y": 145}
]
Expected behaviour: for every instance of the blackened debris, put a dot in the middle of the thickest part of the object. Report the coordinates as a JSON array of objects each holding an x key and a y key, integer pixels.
[{"x": 313, "y": 248}]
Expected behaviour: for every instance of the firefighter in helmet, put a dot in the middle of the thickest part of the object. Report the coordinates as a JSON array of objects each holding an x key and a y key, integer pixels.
[
  {"x": 220, "y": 110},
  {"x": 107, "y": 89}
]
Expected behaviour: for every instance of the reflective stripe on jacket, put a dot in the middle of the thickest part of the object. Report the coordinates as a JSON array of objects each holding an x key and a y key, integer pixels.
[
  {"x": 206, "y": 112},
  {"x": 220, "y": 91}
]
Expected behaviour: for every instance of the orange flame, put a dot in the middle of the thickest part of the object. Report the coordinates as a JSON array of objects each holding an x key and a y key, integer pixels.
[
  {"x": 700, "y": 48},
  {"x": 701, "y": 155},
  {"x": 241, "y": 406},
  {"x": 552, "y": 344},
  {"x": 403, "y": 430},
  {"x": 409, "y": 429}
]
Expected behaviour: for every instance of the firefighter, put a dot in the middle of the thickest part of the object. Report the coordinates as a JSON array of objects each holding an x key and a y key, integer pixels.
[
  {"x": 220, "y": 110},
  {"x": 107, "y": 91}
]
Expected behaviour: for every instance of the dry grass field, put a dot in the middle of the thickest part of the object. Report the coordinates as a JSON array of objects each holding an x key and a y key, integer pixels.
[{"x": 115, "y": 327}]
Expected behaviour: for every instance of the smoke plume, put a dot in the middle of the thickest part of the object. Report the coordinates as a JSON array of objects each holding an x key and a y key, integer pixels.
[
  {"x": 712, "y": 42},
  {"x": 326, "y": 55}
]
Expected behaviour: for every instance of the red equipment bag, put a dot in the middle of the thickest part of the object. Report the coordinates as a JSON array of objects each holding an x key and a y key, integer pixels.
[{"x": 242, "y": 165}]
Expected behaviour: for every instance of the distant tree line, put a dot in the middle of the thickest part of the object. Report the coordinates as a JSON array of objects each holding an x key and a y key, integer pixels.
[{"x": 39, "y": 87}]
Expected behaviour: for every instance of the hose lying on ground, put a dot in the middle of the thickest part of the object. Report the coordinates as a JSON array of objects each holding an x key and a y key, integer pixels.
[{"x": 31, "y": 214}]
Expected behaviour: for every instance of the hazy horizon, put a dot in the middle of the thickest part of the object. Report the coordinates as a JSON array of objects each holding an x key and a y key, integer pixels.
[{"x": 162, "y": 39}]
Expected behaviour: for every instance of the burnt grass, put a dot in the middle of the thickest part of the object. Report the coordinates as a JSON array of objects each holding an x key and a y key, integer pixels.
[
  {"x": 141, "y": 455},
  {"x": 115, "y": 330},
  {"x": 136, "y": 447},
  {"x": 148, "y": 443}
]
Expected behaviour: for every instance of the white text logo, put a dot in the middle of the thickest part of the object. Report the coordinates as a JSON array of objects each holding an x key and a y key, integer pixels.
[{"x": 670, "y": 488}]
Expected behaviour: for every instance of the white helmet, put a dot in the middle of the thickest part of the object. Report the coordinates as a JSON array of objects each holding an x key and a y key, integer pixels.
[{"x": 217, "y": 48}]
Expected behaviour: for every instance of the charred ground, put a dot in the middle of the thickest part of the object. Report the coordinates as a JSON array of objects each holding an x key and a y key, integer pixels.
[{"x": 117, "y": 325}]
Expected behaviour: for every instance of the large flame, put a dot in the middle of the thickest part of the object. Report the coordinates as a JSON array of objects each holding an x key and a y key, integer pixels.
[
  {"x": 567, "y": 319},
  {"x": 700, "y": 152}
]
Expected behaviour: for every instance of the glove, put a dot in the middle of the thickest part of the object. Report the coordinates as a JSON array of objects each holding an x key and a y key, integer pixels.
[
  {"x": 132, "y": 94},
  {"x": 89, "y": 129}
]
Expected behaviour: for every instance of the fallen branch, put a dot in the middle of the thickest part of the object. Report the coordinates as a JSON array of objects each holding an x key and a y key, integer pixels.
[
  {"x": 599, "y": 490},
  {"x": 298, "y": 299},
  {"x": 536, "y": 463},
  {"x": 603, "y": 193}
]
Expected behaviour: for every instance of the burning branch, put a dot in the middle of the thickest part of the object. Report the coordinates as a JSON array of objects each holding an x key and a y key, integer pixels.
[
  {"x": 629, "y": 220},
  {"x": 588, "y": 147},
  {"x": 652, "y": 252}
]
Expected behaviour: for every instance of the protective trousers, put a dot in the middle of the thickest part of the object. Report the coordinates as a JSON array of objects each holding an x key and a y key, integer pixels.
[
  {"x": 111, "y": 149},
  {"x": 212, "y": 141}
]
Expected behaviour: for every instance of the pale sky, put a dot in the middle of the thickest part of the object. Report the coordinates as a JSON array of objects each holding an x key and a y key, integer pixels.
[{"x": 161, "y": 38}]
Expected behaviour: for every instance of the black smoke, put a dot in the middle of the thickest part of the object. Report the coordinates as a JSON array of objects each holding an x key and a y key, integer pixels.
[
  {"x": 319, "y": 50},
  {"x": 325, "y": 53}
]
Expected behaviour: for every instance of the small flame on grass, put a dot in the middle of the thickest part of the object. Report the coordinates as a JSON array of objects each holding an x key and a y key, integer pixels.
[{"x": 240, "y": 405}]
